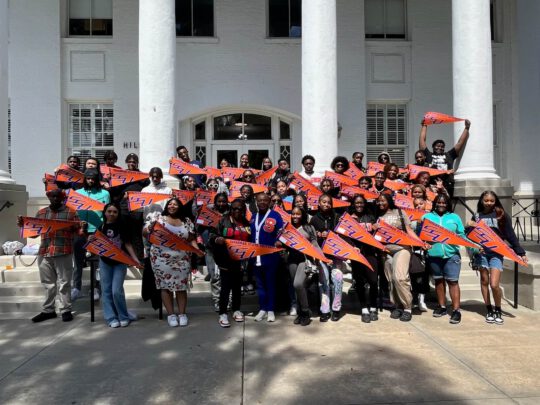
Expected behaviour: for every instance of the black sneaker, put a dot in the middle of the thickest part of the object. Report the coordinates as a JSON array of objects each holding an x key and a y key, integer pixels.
[
  {"x": 43, "y": 316},
  {"x": 490, "y": 317},
  {"x": 306, "y": 318},
  {"x": 374, "y": 316},
  {"x": 456, "y": 317},
  {"x": 366, "y": 318},
  {"x": 440, "y": 311},
  {"x": 406, "y": 316},
  {"x": 298, "y": 319},
  {"x": 336, "y": 316},
  {"x": 498, "y": 318},
  {"x": 324, "y": 317},
  {"x": 67, "y": 316},
  {"x": 207, "y": 277},
  {"x": 396, "y": 314}
]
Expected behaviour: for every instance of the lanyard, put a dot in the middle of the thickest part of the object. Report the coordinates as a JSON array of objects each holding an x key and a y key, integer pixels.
[{"x": 258, "y": 227}]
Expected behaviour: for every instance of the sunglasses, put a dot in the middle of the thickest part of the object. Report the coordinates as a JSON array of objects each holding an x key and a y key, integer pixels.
[
  {"x": 216, "y": 186},
  {"x": 237, "y": 209}
]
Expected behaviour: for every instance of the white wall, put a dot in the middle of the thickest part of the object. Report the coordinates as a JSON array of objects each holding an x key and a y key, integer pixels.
[{"x": 35, "y": 90}]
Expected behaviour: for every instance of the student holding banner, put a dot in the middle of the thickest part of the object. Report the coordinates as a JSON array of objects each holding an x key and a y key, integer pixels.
[
  {"x": 172, "y": 267},
  {"x": 323, "y": 221},
  {"x": 112, "y": 272},
  {"x": 156, "y": 186},
  {"x": 265, "y": 226},
  {"x": 233, "y": 225},
  {"x": 491, "y": 212},
  {"x": 92, "y": 188},
  {"x": 55, "y": 258},
  {"x": 361, "y": 274},
  {"x": 444, "y": 259},
  {"x": 396, "y": 264}
]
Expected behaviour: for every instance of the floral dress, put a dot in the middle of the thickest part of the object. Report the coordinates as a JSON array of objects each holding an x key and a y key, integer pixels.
[{"x": 171, "y": 267}]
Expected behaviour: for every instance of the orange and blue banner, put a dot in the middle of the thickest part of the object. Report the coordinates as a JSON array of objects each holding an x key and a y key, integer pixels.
[
  {"x": 204, "y": 197},
  {"x": 265, "y": 177},
  {"x": 301, "y": 185},
  {"x": 208, "y": 217},
  {"x": 395, "y": 185},
  {"x": 212, "y": 172},
  {"x": 351, "y": 191},
  {"x": 285, "y": 216},
  {"x": 162, "y": 237},
  {"x": 339, "y": 179},
  {"x": 391, "y": 235},
  {"x": 349, "y": 227},
  {"x": 68, "y": 175},
  {"x": 239, "y": 250},
  {"x": 432, "y": 117},
  {"x": 403, "y": 201},
  {"x": 434, "y": 233},
  {"x": 80, "y": 202},
  {"x": 119, "y": 177},
  {"x": 488, "y": 239},
  {"x": 39, "y": 226},
  {"x": 313, "y": 202},
  {"x": 137, "y": 200},
  {"x": 235, "y": 187},
  {"x": 179, "y": 167},
  {"x": 415, "y": 169},
  {"x": 354, "y": 172},
  {"x": 335, "y": 246},
  {"x": 184, "y": 196},
  {"x": 414, "y": 214},
  {"x": 50, "y": 182},
  {"x": 234, "y": 173},
  {"x": 292, "y": 238},
  {"x": 100, "y": 245}
]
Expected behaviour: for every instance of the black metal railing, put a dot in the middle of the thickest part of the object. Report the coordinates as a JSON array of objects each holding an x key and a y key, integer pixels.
[{"x": 526, "y": 219}]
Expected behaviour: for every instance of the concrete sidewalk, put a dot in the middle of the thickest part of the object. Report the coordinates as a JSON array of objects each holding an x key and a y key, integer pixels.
[{"x": 426, "y": 360}]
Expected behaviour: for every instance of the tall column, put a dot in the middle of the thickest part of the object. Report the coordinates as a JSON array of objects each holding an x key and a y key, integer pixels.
[
  {"x": 4, "y": 172},
  {"x": 319, "y": 81},
  {"x": 157, "y": 62},
  {"x": 473, "y": 86}
]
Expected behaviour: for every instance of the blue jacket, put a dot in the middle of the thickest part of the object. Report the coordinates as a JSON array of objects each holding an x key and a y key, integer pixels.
[
  {"x": 453, "y": 223},
  {"x": 268, "y": 236}
]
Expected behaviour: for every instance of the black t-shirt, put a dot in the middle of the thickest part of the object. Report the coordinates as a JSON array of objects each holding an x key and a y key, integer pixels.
[
  {"x": 118, "y": 235},
  {"x": 441, "y": 162}
]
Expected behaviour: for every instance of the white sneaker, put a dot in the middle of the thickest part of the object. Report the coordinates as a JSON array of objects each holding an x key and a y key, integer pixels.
[
  {"x": 114, "y": 324},
  {"x": 197, "y": 275},
  {"x": 260, "y": 316},
  {"x": 271, "y": 317},
  {"x": 224, "y": 321},
  {"x": 96, "y": 294},
  {"x": 292, "y": 311},
  {"x": 183, "y": 319},
  {"x": 172, "y": 320},
  {"x": 123, "y": 324},
  {"x": 238, "y": 316},
  {"x": 75, "y": 293},
  {"x": 421, "y": 304}
]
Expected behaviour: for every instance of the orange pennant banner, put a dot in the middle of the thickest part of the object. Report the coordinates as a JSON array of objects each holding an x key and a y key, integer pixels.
[
  {"x": 100, "y": 245},
  {"x": 208, "y": 217},
  {"x": 301, "y": 185},
  {"x": 339, "y": 179},
  {"x": 239, "y": 250},
  {"x": 119, "y": 177},
  {"x": 38, "y": 226},
  {"x": 234, "y": 173},
  {"x": 354, "y": 172},
  {"x": 137, "y": 200},
  {"x": 349, "y": 227},
  {"x": 50, "y": 182},
  {"x": 184, "y": 196},
  {"x": 335, "y": 246},
  {"x": 285, "y": 216},
  {"x": 434, "y": 233},
  {"x": 488, "y": 239},
  {"x": 432, "y": 117},
  {"x": 235, "y": 187},
  {"x": 414, "y": 214},
  {"x": 204, "y": 197},
  {"x": 292, "y": 238},
  {"x": 313, "y": 202},
  {"x": 373, "y": 168},
  {"x": 414, "y": 170},
  {"x": 212, "y": 172},
  {"x": 80, "y": 202},
  {"x": 161, "y": 236},
  {"x": 265, "y": 177},
  {"x": 178, "y": 166},
  {"x": 388, "y": 234},
  {"x": 403, "y": 201},
  {"x": 68, "y": 175},
  {"x": 395, "y": 185},
  {"x": 351, "y": 191}
]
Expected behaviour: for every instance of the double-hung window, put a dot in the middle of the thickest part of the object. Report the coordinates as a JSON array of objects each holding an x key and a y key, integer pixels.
[
  {"x": 284, "y": 18},
  {"x": 91, "y": 130},
  {"x": 387, "y": 132},
  {"x": 385, "y": 19},
  {"x": 90, "y": 18},
  {"x": 194, "y": 18}
]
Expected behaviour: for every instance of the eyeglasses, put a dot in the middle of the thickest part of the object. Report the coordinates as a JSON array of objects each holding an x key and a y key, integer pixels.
[
  {"x": 248, "y": 176},
  {"x": 216, "y": 186},
  {"x": 339, "y": 165}
]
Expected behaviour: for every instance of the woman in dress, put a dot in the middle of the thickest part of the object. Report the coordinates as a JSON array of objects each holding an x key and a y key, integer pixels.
[{"x": 172, "y": 267}]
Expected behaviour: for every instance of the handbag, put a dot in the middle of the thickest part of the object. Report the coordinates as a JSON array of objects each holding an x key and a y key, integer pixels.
[{"x": 417, "y": 263}]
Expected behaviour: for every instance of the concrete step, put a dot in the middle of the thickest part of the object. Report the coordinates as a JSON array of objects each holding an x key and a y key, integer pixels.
[{"x": 31, "y": 274}]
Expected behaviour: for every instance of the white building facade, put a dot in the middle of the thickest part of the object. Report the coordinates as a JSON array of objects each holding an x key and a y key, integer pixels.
[{"x": 320, "y": 77}]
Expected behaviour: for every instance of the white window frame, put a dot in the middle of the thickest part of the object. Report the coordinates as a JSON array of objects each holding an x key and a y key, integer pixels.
[
  {"x": 89, "y": 18},
  {"x": 192, "y": 36},
  {"x": 9, "y": 137},
  {"x": 385, "y": 38},
  {"x": 289, "y": 22},
  {"x": 397, "y": 151},
  {"x": 92, "y": 149}
]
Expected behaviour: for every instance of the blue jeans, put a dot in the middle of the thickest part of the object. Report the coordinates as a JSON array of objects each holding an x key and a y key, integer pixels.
[{"x": 113, "y": 299}]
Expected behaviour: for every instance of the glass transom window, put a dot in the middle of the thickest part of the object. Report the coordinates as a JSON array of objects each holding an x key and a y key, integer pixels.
[{"x": 242, "y": 126}]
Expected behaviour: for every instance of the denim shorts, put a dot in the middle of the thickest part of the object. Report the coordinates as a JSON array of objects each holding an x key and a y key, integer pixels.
[
  {"x": 445, "y": 268},
  {"x": 489, "y": 260}
]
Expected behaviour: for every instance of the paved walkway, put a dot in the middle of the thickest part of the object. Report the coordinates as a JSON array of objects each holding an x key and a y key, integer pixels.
[{"x": 427, "y": 360}]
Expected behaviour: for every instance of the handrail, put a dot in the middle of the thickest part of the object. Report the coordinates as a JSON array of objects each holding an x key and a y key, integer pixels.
[{"x": 526, "y": 221}]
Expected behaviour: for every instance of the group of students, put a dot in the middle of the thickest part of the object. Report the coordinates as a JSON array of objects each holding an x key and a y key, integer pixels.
[{"x": 256, "y": 218}]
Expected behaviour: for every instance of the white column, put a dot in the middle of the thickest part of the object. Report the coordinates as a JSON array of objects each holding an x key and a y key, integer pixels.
[
  {"x": 473, "y": 87},
  {"x": 4, "y": 173},
  {"x": 157, "y": 61},
  {"x": 319, "y": 81}
]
